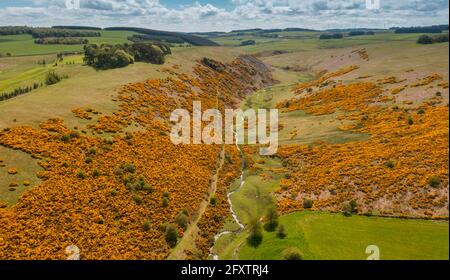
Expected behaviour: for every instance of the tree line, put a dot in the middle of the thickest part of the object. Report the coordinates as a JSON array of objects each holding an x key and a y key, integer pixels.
[
  {"x": 188, "y": 38},
  {"x": 51, "y": 32},
  {"x": 139, "y": 38},
  {"x": 422, "y": 29},
  {"x": 61, "y": 41},
  {"x": 18, "y": 91},
  {"x": 107, "y": 56},
  {"x": 50, "y": 79},
  {"x": 360, "y": 33},
  {"x": 47, "y": 32},
  {"x": 76, "y": 27},
  {"x": 331, "y": 36},
  {"x": 426, "y": 39}
]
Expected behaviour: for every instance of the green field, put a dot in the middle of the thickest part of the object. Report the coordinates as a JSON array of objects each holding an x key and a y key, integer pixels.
[
  {"x": 323, "y": 236},
  {"x": 20, "y": 45},
  {"x": 27, "y": 168},
  {"x": 306, "y": 41}
]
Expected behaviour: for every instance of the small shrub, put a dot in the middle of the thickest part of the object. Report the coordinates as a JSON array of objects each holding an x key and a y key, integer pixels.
[
  {"x": 96, "y": 173},
  {"x": 88, "y": 160},
  {"x": 138, "y": 199},
  {"x": 171, "y": 235},
  {"x": 410, "y": 120},
  {"x": 127, "y": 180},
  {"x": 353, "y": 206},
  {"x": 292, "y": 254},
  {"x": 81, "y": 175},
  {"x": 228, "y": 158},
  {"x": 217, "y": 218},
  {"x": 389, "y": 164},
  {"x": 421, "y": 111},
  {"x": 347, "y": 210},
  {"x": 213, "y": 200},
  {"x": 146, "y": 226},
  {"x": 148, "y": 188},
  {"x": 65, "y": 138},
  {"x": 52, "y": 78},
  {"x": 114, "y": 192},
  {"x": 92, "y": 151},
  {"x": 438, "y": 93},
  {"x": 434, "y": 181},
  {"x": 140, "y": 183},
  {"x": 182, "y": 220},
  {"x": 118, "y": 172},
  {"x": 308, "y": 203},
  {"x": 165, "y": 202},
  {"x": 166, "y": 194},
  {"x": 130, "y": 168}
]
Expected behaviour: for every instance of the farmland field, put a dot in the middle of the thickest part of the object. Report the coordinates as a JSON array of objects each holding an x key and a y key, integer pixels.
[{"x": 23, "y": 45}]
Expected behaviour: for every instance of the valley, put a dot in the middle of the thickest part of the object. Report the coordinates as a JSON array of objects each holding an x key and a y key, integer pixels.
[{"x": 363, "y": 155}]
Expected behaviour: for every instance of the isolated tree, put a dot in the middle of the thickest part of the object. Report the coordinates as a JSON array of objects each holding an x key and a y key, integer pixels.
[
  {"x": 171, "y": 235},
  {"x": 271, "y": 219},
  {"x": 281, "y": 232},
  {"x": 256, "y": 236}
]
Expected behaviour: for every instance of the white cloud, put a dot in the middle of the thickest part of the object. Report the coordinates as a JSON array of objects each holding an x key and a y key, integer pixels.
[{"x": 319, "y": 14}]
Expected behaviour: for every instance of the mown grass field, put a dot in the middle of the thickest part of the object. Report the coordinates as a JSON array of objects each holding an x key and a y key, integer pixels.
[{"x": 323, "y": 236}]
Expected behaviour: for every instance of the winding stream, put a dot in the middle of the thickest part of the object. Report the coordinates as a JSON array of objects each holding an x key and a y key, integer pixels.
[{"x": 233, "y": 214}]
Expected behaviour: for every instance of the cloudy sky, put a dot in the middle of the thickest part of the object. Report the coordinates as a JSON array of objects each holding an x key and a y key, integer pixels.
[{"x": 225, "y": 15}]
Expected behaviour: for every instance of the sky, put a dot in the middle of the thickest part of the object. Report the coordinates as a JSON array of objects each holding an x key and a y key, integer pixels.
[{"x": 225, "y": 15}]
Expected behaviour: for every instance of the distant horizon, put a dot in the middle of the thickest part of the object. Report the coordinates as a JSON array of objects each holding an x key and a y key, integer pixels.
[
  {"x": 229, "y": 31},
  {"x": 225, "y": 15}
]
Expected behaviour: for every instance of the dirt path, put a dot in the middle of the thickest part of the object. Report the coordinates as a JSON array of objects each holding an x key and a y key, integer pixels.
[{"x": 188, "y": 239}]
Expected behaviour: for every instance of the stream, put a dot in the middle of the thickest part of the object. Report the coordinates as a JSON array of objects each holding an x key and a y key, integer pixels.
[{"x": 233, "y": 214}]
